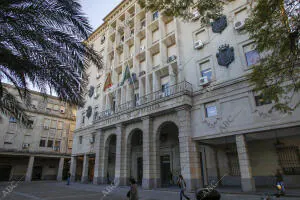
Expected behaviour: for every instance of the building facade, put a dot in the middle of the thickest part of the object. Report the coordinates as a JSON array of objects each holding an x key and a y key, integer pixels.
[
  {"x": 173, "y": 98},
  {"x": 43, "y": 150}
]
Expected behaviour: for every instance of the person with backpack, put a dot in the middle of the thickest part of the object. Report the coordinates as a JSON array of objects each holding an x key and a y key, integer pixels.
[{"x": 182, "y": 185}]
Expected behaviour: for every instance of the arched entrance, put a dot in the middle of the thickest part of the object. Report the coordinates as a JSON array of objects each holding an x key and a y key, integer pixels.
[
  {"x": 135, "y": 155},
  {"x": 110, "y": 158},
  {"x": 168, "y": 154}
]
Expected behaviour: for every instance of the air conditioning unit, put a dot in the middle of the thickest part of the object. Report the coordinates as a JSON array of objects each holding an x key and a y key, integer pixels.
[
  {"x": 46, "y": 127},
  {"x": 171, "y": 58},
  {"x": 196, "y": 15},
  {"x": 131, "y": 55},
  {"x": 25, "y": 146},
  {"x": 204, "y": 80},
  {"x": 142, "y": 48},
  {"x": 92, "y": 140},
  {"x": 238, "y": 25},
  {"x": 199, "y": 44}
]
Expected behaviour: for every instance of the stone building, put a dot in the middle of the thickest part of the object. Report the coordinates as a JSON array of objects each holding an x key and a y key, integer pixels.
[
  {"x": 43, "y": 150},
  {"x": 173, "y": 99}
]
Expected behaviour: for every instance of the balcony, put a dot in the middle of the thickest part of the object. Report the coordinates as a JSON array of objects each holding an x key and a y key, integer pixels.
[{"x": 146, "y": 104}]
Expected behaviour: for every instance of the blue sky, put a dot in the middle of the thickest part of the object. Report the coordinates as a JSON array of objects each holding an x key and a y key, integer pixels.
[{"x": 96, "y": 10}]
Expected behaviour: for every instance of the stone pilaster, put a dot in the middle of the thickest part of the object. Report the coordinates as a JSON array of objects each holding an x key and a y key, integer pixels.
[
  {"x": 148, "y": 173},
  {"x": 189, "y": 154},
  {"x": 73, "y": 168},
  {"x": 60, "y": 169},
  {"x": 29, "y": 169},
  {"x": 85, "y": 169},
  {"x": 247, "y": 181},
  {"x": 99, "y": 177},
  {"x": 120, "y": 170}
]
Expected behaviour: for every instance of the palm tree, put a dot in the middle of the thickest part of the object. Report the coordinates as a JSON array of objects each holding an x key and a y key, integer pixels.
[{"x": 42, "y": 43}]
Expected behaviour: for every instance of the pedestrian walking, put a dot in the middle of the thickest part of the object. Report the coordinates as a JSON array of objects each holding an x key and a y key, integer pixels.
[
  {"x": 68, "y": 178},
  {"x": 182, "y": 185},
  {"x": 279, "y": 182},
  {"x": 133, "y": 192}
]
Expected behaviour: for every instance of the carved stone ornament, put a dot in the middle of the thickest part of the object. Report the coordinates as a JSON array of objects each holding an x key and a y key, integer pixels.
[
  {"x": 89, "y": 112},
  {"x": 219, "y": 24},
  {"x": 225, "y": 56},
  {"x": 91, "y": 91},
  {"x": 211, "y": 122}
]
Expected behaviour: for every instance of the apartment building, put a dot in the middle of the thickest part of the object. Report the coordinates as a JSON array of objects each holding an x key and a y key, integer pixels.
[
  {"x": 173, "y": 98},
  {"x": 41, "y": 151}
]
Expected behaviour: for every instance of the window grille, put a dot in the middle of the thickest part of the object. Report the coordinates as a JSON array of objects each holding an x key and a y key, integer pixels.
[
  {"x": 233, "y": 163},
  {"x": 289, "y": 159}
]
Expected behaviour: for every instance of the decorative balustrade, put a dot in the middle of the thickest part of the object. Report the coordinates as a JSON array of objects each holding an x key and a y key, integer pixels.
[{"x": 183, "y": 88}]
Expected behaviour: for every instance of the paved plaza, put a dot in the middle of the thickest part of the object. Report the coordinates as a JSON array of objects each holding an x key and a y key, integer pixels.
[{"x": 58, "y": 190}]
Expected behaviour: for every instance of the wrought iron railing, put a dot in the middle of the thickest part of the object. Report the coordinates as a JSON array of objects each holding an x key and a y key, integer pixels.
[{"x": 182, "y": 88}]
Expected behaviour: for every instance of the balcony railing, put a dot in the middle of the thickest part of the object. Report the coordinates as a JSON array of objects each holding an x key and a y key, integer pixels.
[{"x": 183, "y": 88}]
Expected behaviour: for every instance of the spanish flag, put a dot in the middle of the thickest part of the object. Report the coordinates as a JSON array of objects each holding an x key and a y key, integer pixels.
[{"x": 108, "y": 82}]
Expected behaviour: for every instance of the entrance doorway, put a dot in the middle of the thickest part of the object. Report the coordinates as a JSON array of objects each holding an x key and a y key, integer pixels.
[
  {"x": 5, "y": 172},
  {"x": 110, "y": 154},
  {"x": 37, "y": 173},
  {"x": 135, "y": 156},
  {"x": 168, "y": 154},
  {"x": 139, "y": 170},
  {"x": 165, "y": 170}
]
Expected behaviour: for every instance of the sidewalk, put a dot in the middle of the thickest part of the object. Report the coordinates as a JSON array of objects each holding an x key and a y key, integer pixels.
[{"x": 290, "y": 192}]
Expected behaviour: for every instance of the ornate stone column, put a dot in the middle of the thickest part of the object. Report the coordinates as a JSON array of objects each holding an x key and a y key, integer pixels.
[
  {"x": 189, "y": 154},
  {"x": 247, "y": 181},
  {"x": 148, "y": 156},
  {"x": 99, "y": 176},
  {"x": 85, "y": 169},
  {"x": 120, "y": 171},
  {"x": 60, "y": 169},
  {"x": 29, "y": 169},
  {"x": 73, "y": 168}
]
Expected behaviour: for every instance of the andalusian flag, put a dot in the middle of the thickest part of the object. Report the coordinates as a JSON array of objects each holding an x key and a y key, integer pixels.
[
  {"x": 126, "y": 75},
  {"x": 108, "y": 82}
]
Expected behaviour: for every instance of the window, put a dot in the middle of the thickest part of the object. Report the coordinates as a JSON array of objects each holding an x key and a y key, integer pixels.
[
  {"x": 47, "y": 123},
  {"x": 233, "y": 162},
  {"x": 155, "y": 36},
  {"x": 260, "y": 100},
  {"x": 53, "y": 124},
  {"x": 289, "y": 159},
  {"x": 80, "y": 139},
  {"x": 60, "y": 125},
  {"x": 251, "y": 54},
  {"x": 137, "y": 99},
  {"x": 49, "y": 106},
  {"x": 57, "y": 145},
  {"x": 211, "y": 109},
  {"x": 155, "y": 15},
  {"x": 42, "y": 143},
  {"x": 201, "y": 35},
  {"x": 165, "y": 85},
  {"x": 206, "y": 70},
  {"x": 12, "y": 120},
  {"x": 83, "y": 118},
  {"x": 50, "y": 143},
  {"x": 207, "y": 73},
  {"x": 56, "y": 107}
]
